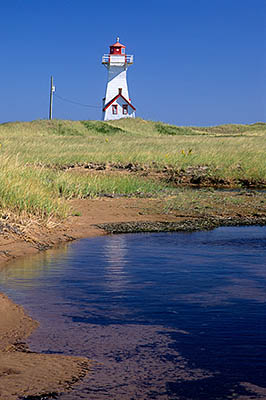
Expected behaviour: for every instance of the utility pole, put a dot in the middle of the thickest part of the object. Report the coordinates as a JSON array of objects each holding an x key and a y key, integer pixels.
[{"x": 52, "y": 90}]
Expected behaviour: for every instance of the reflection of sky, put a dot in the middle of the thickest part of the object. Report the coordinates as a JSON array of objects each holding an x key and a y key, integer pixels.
[
  {"x": 115, "y": 255},
  {"x": 237, "y": 257},
  {"x": 205, "y": 268}
]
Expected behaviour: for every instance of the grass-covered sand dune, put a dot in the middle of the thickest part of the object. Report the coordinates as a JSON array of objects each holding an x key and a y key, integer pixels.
[{"x": 36, "y": 157}]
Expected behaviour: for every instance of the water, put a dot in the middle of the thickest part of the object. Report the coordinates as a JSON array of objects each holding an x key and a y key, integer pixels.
[{"x": 164, "y": 316}]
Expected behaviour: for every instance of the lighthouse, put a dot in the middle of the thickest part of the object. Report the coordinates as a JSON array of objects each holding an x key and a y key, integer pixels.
[{"x": 116, "y": 103}]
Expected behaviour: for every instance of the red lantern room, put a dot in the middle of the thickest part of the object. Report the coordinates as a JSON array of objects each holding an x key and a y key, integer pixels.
[{"x": 118, "y": 48}]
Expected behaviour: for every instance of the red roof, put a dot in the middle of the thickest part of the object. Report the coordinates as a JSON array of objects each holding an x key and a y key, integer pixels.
[
  {"x": 117, "y": 44},
  {"x": 115, "y": 98}
]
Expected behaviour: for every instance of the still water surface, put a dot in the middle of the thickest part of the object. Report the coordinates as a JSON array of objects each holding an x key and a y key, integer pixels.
[{"x": 164, "y": 316}]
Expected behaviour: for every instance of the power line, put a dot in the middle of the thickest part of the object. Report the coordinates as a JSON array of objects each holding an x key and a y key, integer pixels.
[{"x": 75, "y": 102}]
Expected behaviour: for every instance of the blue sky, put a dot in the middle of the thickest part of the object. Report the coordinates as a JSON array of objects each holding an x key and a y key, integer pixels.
[{"x": 197, "y": 62}]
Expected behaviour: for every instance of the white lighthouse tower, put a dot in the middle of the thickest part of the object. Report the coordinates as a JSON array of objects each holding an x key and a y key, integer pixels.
[{"x": 117, "y": 103}]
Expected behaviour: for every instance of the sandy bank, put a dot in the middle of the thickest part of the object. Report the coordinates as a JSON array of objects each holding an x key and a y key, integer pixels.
[{"x": 23, "y": 373}]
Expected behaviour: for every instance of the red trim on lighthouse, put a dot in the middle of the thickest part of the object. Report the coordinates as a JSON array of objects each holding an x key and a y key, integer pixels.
[
  {"x": 117, "y": 44},
  {"x": 117, "y": 48},
  {"x": 115, "y": 98}
]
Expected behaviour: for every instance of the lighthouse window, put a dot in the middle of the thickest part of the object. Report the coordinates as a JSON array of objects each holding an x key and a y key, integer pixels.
[
  {"x": 123, "y": 51},
  {"x": 114, "y": 109},
  {"x": 125, "y": 109}
]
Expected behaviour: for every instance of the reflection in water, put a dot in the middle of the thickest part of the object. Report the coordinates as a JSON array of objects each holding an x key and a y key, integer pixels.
[
  {"x": 166, "y": 316},
  {"x": 115, "y": 252},
  {"x": 28, "y": 270}
]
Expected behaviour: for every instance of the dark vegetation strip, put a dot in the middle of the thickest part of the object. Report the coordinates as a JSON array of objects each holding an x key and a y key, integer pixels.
[
  {"x": 191, "y": 176},
  {"x": 190, "y": 225}
]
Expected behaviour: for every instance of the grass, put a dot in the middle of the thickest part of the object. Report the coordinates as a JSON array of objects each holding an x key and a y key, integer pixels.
[
  {"x": 230, "y": 151},
  {"x": 32, "y": 154},
  {"x": 42, "y": 192},
  {"x": 67, "y": 185},
  {"x": 206, "y": 202},
  {"x": 22, "y": 192},
  {"x": 101, "y": 128}
]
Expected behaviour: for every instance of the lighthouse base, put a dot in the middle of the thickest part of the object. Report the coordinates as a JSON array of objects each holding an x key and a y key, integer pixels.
[
  {"x": 108, "y": 117},
  {"x": 117, "y": 108}
]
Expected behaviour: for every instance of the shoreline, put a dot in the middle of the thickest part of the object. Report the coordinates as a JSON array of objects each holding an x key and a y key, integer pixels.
[
  {"x": 96, "y": 217},
  {"x": 23, "y": 373}
]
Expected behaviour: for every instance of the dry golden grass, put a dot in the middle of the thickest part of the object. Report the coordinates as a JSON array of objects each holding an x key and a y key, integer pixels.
[{"x": 231, "y": 151}]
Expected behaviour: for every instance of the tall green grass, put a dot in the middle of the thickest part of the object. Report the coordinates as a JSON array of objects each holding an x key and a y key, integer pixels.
[
  {"x": 43, "y": 192},
  {"x": 67, "y": 185},
  {"x": 22, "y": 191}
]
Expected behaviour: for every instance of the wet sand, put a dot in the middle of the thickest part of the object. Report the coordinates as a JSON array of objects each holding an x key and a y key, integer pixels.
[{"x": 23, "y": 373}]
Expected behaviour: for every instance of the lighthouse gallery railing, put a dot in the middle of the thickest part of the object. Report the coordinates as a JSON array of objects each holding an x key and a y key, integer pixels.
[{"x": 128, "y": 58}]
